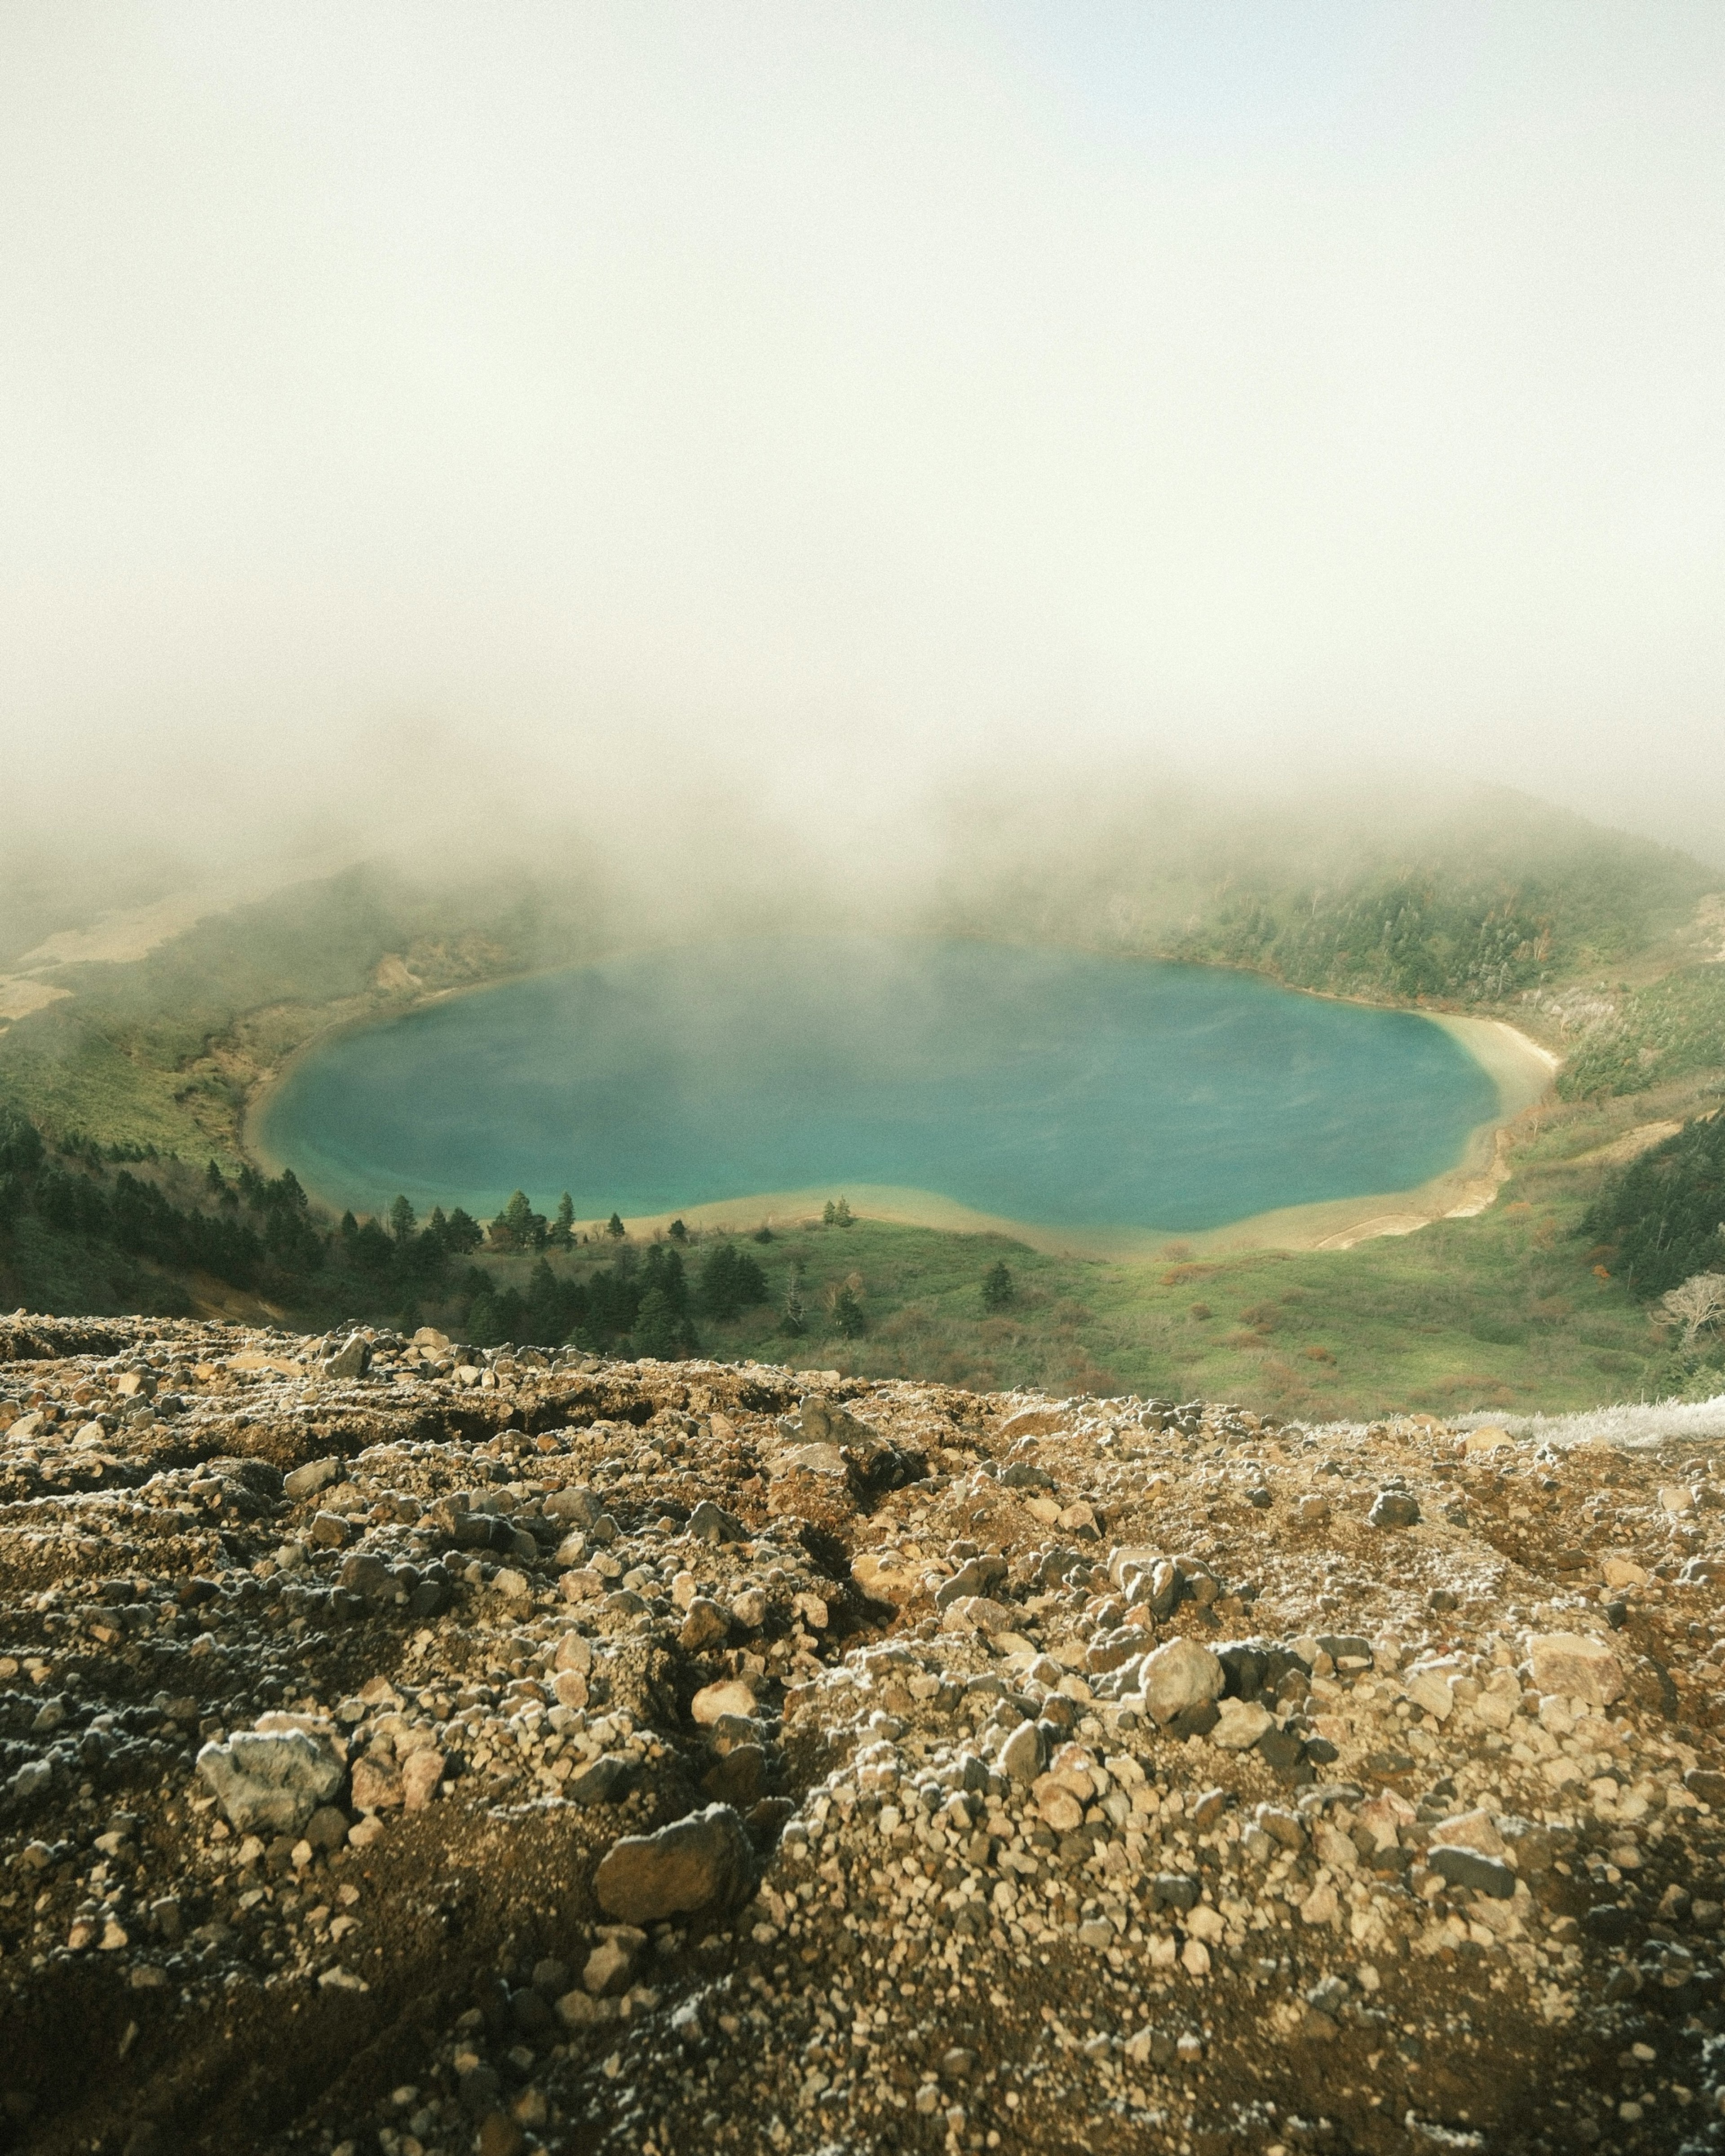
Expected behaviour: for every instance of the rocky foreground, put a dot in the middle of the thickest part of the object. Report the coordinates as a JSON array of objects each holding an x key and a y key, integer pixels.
[{"x": 411, "y": 1749}]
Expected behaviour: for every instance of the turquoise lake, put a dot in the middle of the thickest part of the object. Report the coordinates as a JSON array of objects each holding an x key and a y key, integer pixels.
[{"x": 1051, "y": 1087}]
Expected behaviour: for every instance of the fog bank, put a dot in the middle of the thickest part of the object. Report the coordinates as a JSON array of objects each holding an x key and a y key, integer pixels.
[{"x": 713, "y": 436}]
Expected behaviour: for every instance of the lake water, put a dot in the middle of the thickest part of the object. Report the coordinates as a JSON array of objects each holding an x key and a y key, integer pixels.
[{"x": 1051, "y": 1087}]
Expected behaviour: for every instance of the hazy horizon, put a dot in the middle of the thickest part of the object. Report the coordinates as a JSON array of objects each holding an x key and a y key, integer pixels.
[{"x": 736, "y": 433}]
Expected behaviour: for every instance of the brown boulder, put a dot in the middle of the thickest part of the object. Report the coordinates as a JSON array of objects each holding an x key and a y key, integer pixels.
[{"x": 700, "y": 1862}]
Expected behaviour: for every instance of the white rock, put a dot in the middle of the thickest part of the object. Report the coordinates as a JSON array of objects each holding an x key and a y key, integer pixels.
[
  {"x": 730, "y": 1696},
  {"x": 1429, "y": 1690},
  {"x": 1177, "y": 1675},
  {"x": 1241, "y": 1725},
  {"x": 814, "y": 1460},
  {"x": 1130, "y": 1556}
]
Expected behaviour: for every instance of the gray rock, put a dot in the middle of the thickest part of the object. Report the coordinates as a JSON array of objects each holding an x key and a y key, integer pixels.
[
  {"x": 431, "y": 1598},
  {"x": 1178, "y": 1676},
  {"x": 603, "y": 1781},
  {"x": 1198, "y": 1583},
  {"x": 327, "y": 1828},
  {"x": 1021, "y": 1755},
  {"x": 1609, "y": 1923},
  {"x": 700, "y": 1862},
  {"x": 369, "y": 1576},
  {"x": 979, "y": 1575},
  {"x": 32, "y": 1778},
  {"x": 478, "y": 2089},
  {"x": 1026, "y": 1474},
  {"x": 1165, "y": 1585},
  {"x": 315, "y": 1475},
  {"x": 352, "y": 1360},
  {"x": 739, "y": 1777},
  {"x": 270, "y": 1781},
  {"x": 1114, "y": 1650},
  {"x": 1328, "y": 1996},
  {"x": 1466, "y": 1867},
  {"x": 708, "y": 1524},
  {"x": 1395, "y": 1508}
]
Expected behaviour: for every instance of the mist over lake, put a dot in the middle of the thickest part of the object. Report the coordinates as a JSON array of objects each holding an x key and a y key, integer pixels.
[{"x": 1052, "y": 1088}]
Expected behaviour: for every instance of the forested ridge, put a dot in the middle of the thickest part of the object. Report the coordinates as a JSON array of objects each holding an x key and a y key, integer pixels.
[{"x": 89, "y": 1229}]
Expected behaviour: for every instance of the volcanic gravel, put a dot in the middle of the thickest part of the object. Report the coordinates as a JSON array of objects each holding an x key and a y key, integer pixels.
[{"x": 410, "y": 1748}]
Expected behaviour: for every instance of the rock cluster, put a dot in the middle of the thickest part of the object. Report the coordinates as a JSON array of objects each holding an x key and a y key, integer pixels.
[{"x": 409, "y": 1748}]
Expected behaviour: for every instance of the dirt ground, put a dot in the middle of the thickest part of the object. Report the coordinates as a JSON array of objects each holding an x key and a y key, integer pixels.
[{"x": 695, "y": 1756}]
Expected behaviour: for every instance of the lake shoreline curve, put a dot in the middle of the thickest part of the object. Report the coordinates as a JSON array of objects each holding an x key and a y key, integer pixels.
[{"x": 1521, "y": 1069}]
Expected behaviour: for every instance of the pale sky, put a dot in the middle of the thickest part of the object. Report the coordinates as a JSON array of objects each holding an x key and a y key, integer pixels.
[{"x": 404, "y": 405}]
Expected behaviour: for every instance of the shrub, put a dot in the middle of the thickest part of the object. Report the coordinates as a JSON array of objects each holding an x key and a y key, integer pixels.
[{"x": 998, "y": 1287}]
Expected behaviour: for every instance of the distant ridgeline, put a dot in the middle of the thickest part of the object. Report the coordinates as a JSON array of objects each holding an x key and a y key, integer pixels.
[
  {"x": 1487, "y": 899},
  {"x": 1455, "y": 933}
]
